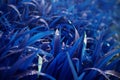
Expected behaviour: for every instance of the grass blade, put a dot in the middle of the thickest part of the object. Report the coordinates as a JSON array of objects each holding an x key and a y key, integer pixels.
[
  {"x": 56, "y": 45},
  {"x": 100, "y": 71},
  {"x": 113, "y": 73},
  {"x": 34, "y": 38},
  {"x": 72, "y": 67},
  {"x": 15, "y": 8}
]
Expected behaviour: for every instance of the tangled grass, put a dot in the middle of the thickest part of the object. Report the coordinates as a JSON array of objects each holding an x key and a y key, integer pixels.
[{"x": 59, "y": 40}]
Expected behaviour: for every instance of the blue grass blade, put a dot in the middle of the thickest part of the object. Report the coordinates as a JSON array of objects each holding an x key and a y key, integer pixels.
[
  {"x": 81, "y": 76},
  {"x": 57, "y": 43},
  {"x": 48, "y": 9},
  {"x": 83, "y": 54},
  {"x": 77, "y": 64},
  {"x": 40, "y": 62},
  {"x": 13, "y": 37},
  {"x": 101, "y": 63},
  {"x": 25, "y": 74},
  {"x": 9, "y": 44},
  {"x": 54, "y": 22},
  {"x": 48, "y": 76},
  {"x": 45, "y": 22},
  {"x": 42, "y": 2},
  {"x": 72, "y": 26},
  {"x": 11, "y": 52},
  {"x": 52, "y": 68},
  {"x": 96, "y": 55},
  {"x": 77, "y": 36},
  {"x": 112, "y": 73},
  {"x": 72, "y": 67},
  {"x": 111, "y": 65},
  {"x": 26, "y": 38},
  {"x": 38, "y": 5},
  {"x": 29, "y": 3},
  {"x": 76, "y": 45},
  {"x": 34, "y": 38},
  {"x": 22, "y": 63},
  {"x": 7, "y": 23},
  {"x": 33, "y": 30},
  {"x": 40, "y": 51},
  {"x": 107, "y": 57},
  {"x": 100, "y": 71},
  {"x": 15, "y": 8},
  {"x": 25, "y": 13},
  {"x": 65, "y": 69}
]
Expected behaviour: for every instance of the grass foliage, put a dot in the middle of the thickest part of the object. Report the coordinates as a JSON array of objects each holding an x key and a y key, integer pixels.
[{"x": 59, "y": 40}]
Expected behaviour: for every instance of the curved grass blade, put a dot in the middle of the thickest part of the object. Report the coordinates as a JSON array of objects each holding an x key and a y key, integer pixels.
[
  {"x": 113, "y": 63},
  {"x": 45, "y": 22},
  {"x": 34, "y": 38},
  {"x": 15, "y": 8},
  {"x": 103, "y": 61},
  {"x": 100, "y": 71},
  {"x": 33, "y": 72},
  {"x": 107, "y": 57},
  {"x": 40, "y": 51},
  {"x": 26, "y": 73},
  {"x": 22, "y": 63},
  {"x": 113, "y": 73},
  {"x": 29, "y": 3},
  {"x": 77, "y": 36},
  {"x": 13, "y": 37},
  {"x": 48, "y": 76}
]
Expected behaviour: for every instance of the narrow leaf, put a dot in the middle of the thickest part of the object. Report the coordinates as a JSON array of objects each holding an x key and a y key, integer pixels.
[
  {"x": 22, "y": 63},
  {"x": 34, "y": 38},
  {"x": 15, "y": 8},
  {"x": 84, "y": 48},
  {"x": 100, "y": 71},
  {"x": 72, "y": 67},
  {"x": 81, "y": 76},
  {"x": 56, "y": 44},
  {"x": 76, "y": 45},
  {"x": 39, "y": 63},
  {"x": 113, "y": 73}
]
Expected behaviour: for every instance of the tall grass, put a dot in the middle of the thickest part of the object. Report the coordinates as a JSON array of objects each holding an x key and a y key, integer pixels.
[{"x": 59, "y": 40}]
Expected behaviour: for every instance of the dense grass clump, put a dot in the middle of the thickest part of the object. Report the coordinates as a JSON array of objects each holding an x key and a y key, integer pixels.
[{"x": 59, "y": 40}]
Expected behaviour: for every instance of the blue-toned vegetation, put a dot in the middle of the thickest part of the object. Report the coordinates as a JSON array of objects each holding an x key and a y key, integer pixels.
[{"x": 59, "y": 40}]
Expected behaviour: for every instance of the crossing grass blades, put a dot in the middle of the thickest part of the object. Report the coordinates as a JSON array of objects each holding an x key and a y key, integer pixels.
[{"x": 59, "y": 40}]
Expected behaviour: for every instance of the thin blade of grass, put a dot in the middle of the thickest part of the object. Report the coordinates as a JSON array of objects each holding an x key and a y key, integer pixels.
[
  {"x": 113, "y": 73},
  {"x": 72, "y": 67},
  {"x": 81, "y": 76},
  {"x": 34, "y": 38},
  {"x": 83, "y": 55},
  {"x": 20, "y": 65},
  {"x": 15, "y": 8},
  {"x": 100, "y": 71},
  {"x": 76, "y": 45},
  {"x": 56, "y": 45}
]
